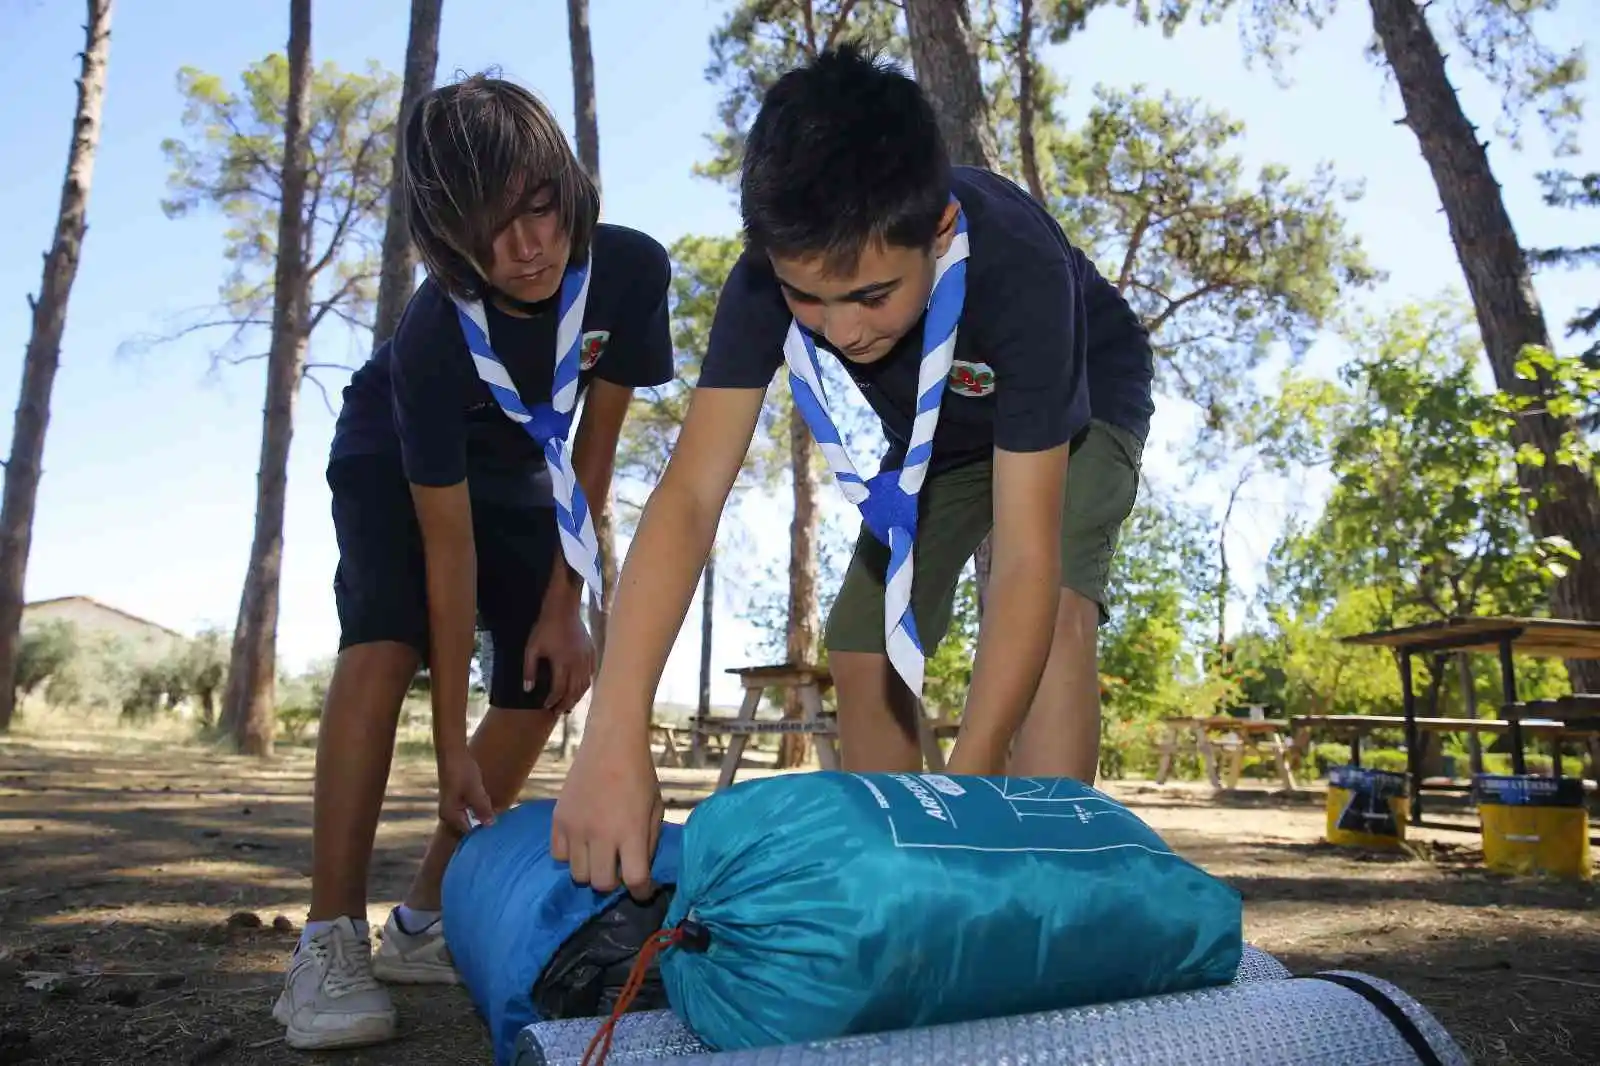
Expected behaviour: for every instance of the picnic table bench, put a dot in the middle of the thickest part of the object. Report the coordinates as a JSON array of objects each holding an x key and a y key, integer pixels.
[
  {"x": 676, "y": 741},
  {"x": 1579, "y": 716},
  {"x": 1358, "y": 726}
]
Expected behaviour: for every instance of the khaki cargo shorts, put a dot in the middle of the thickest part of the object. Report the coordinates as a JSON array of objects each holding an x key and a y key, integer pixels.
[{"x": 956, "y": 511}]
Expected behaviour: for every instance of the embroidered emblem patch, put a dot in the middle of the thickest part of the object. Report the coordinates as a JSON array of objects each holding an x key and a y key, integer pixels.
[
  {"x": 592, "y": 347},
  {"x": 971, "y": 379}
]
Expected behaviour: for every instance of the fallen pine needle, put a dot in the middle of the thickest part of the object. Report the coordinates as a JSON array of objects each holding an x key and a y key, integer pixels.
[{"x": 1560, "y": 980}]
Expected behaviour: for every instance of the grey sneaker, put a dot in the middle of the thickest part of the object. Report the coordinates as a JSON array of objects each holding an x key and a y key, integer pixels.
[
  {"x": 330, "y": 998},
  {"x": 414, "y": 958}
]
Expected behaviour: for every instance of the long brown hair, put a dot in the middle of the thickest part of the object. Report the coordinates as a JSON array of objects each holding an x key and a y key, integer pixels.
[{"x": 476, "y": 153}]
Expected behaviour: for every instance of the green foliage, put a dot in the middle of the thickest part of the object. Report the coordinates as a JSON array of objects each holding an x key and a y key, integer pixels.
[
  {"x": 204, "y": 670},
  {"x": 699, "y": 267},
  {"x": 947, "y": 674},
  {"x": 1498, "y": 37},
  {"x": 231, "y": 160},
  {"x": 1064, "y": 18},
  {"x": 1565, "y": 189},
  {"x": 761, "y": 39},
  {"x": 1425, "y": 520},
  {"x": 1425, "y": 505},
  {"x": 1300, "y": 664},
  {"x": 1162, "y": 580},
  {"x": 1568, "y": 388},
  {"x": 1219, "y": 265},
  {"x": 43, "y": 651},
  {"x": 300, "y": 700}
]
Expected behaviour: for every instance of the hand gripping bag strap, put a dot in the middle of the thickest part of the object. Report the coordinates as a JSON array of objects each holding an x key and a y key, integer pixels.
[{"x": 510, "y": 909}]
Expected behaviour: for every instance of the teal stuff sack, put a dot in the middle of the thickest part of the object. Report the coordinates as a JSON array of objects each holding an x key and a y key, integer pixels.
[{"x": 821, "y": 905}]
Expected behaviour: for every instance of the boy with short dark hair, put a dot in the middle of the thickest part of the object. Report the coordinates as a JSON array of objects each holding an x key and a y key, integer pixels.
[
  {"x": 460, "y": 501},
  {"x": 982, "y": 339}
]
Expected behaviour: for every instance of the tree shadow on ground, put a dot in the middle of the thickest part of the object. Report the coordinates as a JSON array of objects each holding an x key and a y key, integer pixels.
[{"x": 1515, "y": 999}]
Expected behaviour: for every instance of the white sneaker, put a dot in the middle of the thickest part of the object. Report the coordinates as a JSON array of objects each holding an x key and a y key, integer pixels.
[
  {"x": 330, "y": 998},
  {"x": 414, "y": 958}
]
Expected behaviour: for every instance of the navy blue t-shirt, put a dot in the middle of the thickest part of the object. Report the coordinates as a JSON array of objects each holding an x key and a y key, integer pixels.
[
  {"x": 420, "y": 394},
  {"x": 1043, "y": 341}
]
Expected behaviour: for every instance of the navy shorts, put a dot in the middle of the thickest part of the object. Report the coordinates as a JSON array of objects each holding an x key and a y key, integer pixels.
[{"x": 380, "y": 585}]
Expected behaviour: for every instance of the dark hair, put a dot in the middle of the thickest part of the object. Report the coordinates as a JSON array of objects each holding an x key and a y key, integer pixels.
[
  {"x": 475, "y": 154},
  {"x": 844, "y": 151}
]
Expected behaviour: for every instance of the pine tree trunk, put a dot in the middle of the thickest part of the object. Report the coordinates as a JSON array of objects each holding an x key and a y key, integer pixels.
[
  {"x": 588, "y": 129},
  {"x": 947, "y": 69},
  {"x": 399, "y": 254},
  {"x": 248, "y": 709},
  {"x": 39, "y": 365},
  {"x": 583, "y": 95},
  {"x": 708, "y": 599},
  {"x": 1026, "y": 147},
  {"x": 801, "y": 643},
  {"x": 1501, "y": 286}
]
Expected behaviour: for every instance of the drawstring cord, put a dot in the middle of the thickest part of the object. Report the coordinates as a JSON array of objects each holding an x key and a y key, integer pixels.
[{"x": 601, "y": 1041}]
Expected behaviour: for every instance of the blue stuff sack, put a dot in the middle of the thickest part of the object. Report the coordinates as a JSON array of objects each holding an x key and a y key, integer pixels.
[
  {"x": 514, "y": 920},
  {"x": 827, "y": 904}
]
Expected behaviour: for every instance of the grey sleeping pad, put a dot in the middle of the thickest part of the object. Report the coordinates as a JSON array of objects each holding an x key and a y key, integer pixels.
[{"x": 1266, "y": 1018}]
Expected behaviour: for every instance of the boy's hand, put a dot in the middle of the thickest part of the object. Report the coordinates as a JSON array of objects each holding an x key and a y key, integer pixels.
[
  {"x": 608, "y": 816},
  {"x": 560, "y": 636},
  {"x": 461, "y": 791}
]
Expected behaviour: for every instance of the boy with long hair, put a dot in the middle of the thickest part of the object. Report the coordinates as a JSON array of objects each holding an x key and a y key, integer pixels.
[{"x": 460, "y": 501}]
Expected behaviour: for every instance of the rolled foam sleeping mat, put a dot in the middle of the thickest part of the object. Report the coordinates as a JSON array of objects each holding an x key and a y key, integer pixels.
[
  {"x": 1338, "y": 1018},
  {"x": 651, "y": 1036}
]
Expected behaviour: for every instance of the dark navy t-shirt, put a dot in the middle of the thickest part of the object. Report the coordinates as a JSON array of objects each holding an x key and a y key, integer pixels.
[
  {"x": 1043, "y": 341},
  {"x": 420, "y": 395}
]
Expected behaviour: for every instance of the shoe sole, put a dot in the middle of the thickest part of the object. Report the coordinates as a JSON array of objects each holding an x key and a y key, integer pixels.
[
  {"x": 404, "y": 973},
  {"x": 370, "y": 1029}
]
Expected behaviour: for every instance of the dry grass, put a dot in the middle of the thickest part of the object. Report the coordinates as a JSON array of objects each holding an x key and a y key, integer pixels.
[{"x": 152, "y": 889}]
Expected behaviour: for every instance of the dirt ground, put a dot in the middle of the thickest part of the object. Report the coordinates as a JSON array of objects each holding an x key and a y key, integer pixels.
[{"x": 150, "y": 893}]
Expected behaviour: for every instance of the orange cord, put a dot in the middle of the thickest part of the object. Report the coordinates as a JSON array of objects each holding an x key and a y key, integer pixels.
[{"x": 601, "y": 1040}]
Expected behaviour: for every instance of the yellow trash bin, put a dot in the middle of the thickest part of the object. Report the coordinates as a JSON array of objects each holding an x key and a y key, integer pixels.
[
  {"x": 1534, "y": 825},
  {"x": 1367, "y": 808}
]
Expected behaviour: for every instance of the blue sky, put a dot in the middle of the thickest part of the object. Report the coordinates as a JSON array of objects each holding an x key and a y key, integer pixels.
[{"x": 148, "y": 495}]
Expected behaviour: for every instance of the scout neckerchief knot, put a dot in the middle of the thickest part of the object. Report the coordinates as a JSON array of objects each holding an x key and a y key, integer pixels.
[
  {"x": 548, "y": 423},
  {"x": 888, "y": 501}
]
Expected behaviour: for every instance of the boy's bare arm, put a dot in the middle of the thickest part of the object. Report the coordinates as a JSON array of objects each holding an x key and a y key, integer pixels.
[
  {"x": 445, "y": 517},
  {"x": 669, "y": 550},
  {"x": 606, "y": 822},
  {"x": 1019, "y": 606}
]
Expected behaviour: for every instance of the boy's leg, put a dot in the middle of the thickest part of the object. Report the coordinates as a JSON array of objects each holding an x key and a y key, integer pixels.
[
  {"x": 1061, "y": 735},
  {"x": 330, "y": 997},
  {"x": 355, "y": 744},
  {"x": 515, "y": 552},
  {"x": 877, "y": 724}
]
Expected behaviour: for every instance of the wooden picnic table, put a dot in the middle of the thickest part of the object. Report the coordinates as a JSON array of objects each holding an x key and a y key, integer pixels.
[
  {"x": 811, "y": 681},
  {"x": 1561, "y": 638},
  {"x": 1237, "y": 734}
]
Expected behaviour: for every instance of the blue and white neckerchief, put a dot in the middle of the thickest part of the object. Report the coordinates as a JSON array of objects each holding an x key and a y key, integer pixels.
[
  {"x": 548, "y": 423},
  {"x": 888, "y": 500}
]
